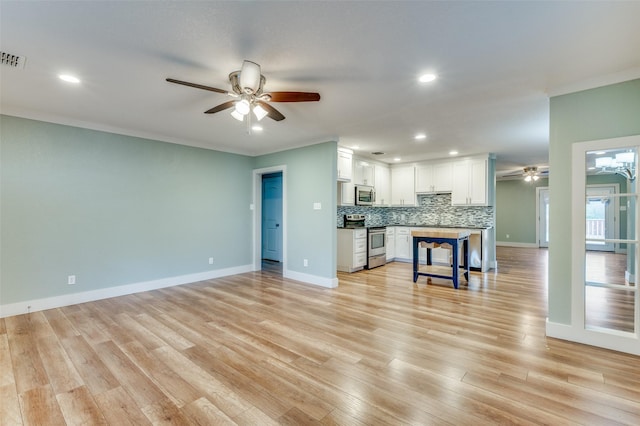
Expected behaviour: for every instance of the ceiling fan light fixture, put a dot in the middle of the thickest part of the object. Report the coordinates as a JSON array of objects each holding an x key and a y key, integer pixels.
[
  {"x": 259, "y": 112},
  {"x": 235, "y": 114},
  {"x": 531, "y": 174},
  {"x": 250, "y": 77},
  {"x": 243, "y": 107}
]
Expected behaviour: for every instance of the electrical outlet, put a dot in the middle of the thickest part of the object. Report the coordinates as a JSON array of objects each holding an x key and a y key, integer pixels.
[
  {"x": 71, "y": 279},
  {"x": 305, "y": 262},
  {"x": 211, "y": 261}
]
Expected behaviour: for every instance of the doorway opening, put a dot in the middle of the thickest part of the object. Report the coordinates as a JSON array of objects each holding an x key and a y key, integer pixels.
[
  {"x": 542, "y": 207},
  {"x": 272, "y": 222},
  {"x": 269, "y": 219}
]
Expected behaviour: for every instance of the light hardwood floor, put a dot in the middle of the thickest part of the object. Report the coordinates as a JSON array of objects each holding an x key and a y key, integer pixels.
[{"x": 256, "y": 349}]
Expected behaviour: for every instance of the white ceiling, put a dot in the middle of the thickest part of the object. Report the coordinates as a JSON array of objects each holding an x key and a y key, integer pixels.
[{"x": 497, "y": 63}]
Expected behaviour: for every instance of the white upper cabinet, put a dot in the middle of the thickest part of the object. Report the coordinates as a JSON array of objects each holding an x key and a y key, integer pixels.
[
  {"x": 432, "y": 178},
  {"x": 403, "y": 186},
  {"x": 443, "y": 177},
  {"x": 470, "y": 180},
  {"x": 346, "y": 194},
  {"x": 363, "y": 173},
  {"x": 382, "y": 185},
  {"x": 345, "y": 166}
]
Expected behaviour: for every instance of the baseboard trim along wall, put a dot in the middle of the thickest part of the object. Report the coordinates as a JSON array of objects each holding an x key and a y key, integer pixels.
[
  {"x": 514, "y": 244},
  {"x": 106, "y": 293},
  {"x": 311, "y": 279}
]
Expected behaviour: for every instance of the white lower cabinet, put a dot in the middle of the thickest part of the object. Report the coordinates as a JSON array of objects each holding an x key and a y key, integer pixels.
[
  {"x": 352, "y": 249},
  {"x": 404, "y": 248},
  {"x": 391, "y": 243}
]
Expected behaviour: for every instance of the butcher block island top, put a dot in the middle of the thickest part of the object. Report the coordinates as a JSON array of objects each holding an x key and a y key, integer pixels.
[{"x": 441, "y": 233}]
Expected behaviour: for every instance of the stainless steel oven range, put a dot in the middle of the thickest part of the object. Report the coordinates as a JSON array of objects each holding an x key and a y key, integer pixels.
[
  {"x": 376, "y": 246},
  {"x": 376, "y": 239}
]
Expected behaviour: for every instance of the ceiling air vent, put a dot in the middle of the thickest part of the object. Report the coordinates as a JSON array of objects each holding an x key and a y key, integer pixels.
[{"x": 13, "y": 61}]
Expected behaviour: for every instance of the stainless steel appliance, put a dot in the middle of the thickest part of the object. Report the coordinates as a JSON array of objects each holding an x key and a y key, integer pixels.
[
  {"x": 365, "y": 195},
  {"x": 354, "y": 220},
  {"x": 376, "y": 246}
]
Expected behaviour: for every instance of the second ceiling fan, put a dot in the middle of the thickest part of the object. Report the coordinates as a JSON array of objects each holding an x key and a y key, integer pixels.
[{"x": 247, "y": 86}]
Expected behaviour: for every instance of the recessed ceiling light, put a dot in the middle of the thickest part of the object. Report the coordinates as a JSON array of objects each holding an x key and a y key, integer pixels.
[
  {"x": 69, "y": 78},
  {"x": 426, "y": 78},
  {"x": 355, "y": 147},
  {"x": 453, "y": 152},
  {"x": 420, "y": 136},
  {"x": 397, "y": 159},
  {"x": 256, "y": 127}
]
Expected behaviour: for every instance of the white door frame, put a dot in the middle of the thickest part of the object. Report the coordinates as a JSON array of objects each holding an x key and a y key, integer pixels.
[
  {"x": 628, "y": 342},
  {"x": 257, "y": 214}
]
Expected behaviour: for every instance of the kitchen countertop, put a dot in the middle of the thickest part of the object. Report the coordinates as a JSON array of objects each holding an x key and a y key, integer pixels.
[
  {"x": 430, "y": 225},
  {"x": 425, "y": 226}
]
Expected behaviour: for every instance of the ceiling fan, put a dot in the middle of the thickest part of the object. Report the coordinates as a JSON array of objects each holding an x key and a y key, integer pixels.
[
  {"x": 247, "y": 86},
  {"x": 529, "y": 174}
]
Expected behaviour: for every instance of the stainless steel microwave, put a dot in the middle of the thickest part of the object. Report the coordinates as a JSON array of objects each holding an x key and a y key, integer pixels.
[{"x": 365, "y": 195}]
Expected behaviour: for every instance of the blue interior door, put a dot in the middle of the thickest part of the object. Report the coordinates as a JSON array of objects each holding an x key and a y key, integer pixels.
[{"x": 272, "y": 217}]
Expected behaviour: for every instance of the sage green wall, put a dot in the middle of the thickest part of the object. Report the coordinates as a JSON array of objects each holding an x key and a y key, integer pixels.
[
  {"x": 113, "y": 209},
  {"x": 516, "y": 210},
  {"x": 601, "y": 113},
  {"x": 516, "y": 207},
  {"x": 311, "y": 234}
]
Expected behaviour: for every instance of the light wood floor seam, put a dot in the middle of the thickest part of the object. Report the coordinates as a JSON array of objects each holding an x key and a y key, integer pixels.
[{"x": 258, "y": 349}]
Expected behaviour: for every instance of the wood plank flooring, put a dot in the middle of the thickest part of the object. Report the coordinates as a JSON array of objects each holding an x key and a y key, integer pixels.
[{"x": 256, "y": 349}]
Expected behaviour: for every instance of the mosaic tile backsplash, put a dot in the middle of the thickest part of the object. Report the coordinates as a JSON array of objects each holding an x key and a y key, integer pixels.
[{"x": 433, "y": 209}]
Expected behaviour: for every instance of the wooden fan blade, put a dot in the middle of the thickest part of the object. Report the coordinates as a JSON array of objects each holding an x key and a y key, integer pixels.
[
  {"x": 294, "y": 96},
  {"x": 197, "y": 86},
  {"x": 272, "y": 112},
  {"x": 220, "y": 107}
]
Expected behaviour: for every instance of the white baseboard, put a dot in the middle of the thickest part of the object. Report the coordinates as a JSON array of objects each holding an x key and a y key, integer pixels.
[
  {"x": 514, "y": 244},
  {"x": 105, "y": 293},
  {"x": 311, "y": 279}
]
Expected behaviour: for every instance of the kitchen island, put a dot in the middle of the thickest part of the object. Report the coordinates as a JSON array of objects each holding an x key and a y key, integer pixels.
[{"x": 433, "y": 237}]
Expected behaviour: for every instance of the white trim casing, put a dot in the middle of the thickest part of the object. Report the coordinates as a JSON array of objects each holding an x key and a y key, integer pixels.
[
  {"x": 122, "y": 290},
  {"x": 609, "y": 340},
  {"x": 576, "y": 331},
  {"x": 257, "y": 215}
]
